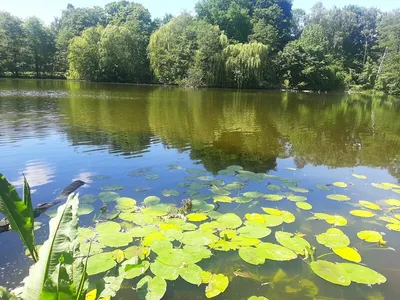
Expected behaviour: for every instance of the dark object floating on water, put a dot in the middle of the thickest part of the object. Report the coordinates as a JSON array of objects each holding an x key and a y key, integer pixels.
[{"x": 41, "y": 208}]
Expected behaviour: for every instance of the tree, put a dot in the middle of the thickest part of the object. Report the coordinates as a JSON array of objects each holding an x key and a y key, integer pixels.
[
  {"x": 12, "y": 41},
  {"x": 265, "y": 34},
  {"x": 40, "y": 45}
]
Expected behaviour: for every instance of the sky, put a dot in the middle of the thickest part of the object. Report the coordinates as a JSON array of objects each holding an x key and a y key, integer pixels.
[{"x": 48, "y": 9}]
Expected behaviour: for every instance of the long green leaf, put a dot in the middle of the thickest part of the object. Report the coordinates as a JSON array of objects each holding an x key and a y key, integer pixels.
[
  {"x": 19, "y": 213},
  {"x": 80, "y": 276},
  {"x": 5, "y": 295},
  {"x": 63, "y": 232}
]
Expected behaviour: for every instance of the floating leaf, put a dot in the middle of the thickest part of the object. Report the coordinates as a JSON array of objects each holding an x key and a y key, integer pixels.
[
  {"x": 333, "y": 238},
  {"x": 288, "y": 217},
  {"x": 226, "y": 172},
  {"x": 361, "y": 274},
  {"x": 87, "y": 199},
  {"x": 201, "y": 206},
  {"x": 292, "y": 242},
  {"x": 98, "y": 178},
  {"x": 158, "y": 210},
  {"x": 164, "y": 271},
  {"x": 193, "y": 171},
  {"x": 234, "y": 168},
  {"x": 253, "y": 195},
  {"x": 242, "y": 199},
  {"x": 100, "y": 263},
  {"x": 174, "y": 167},
  {"x": 294, "y": 198},
  {"x": 369, "y": 205},
  {"x": 330, "y": 272},
  {"x": 272, "y": 197},
  {"x": 139, "y": 172},
  {"x": 298, "y": 189},
  {"x": 150, "y": 238},
  {"x": 340, "y": 184},
  {"x": 229, "y": 221},
  {"x": 151, "y": 288},
  {"x": 113, "y": 187},
  {"x": 323, "y": 187},
  {"x": 136, "y": 251},
  {"x": 151, "y": 200},
  {"x": 393, "y": 226},
  {"x": 170, "y": 193},
  {"x": 391, "y": 185},
  {"x": 115, "y": 239},
  {"x": 242, "y": 241},
  {"x": 257, "y": 232},
  {"x": 85, "y": 209},
  {"x": 257, "y": 298},
  {"x": 220, "y": 191},
  {"x": 370, "y": 236},
  {"x": 393, "y": 202},
  {"x": 362, "y": 213},
  {"x": 304, "y": 205},
  {"x": 254, "y": 256},
  {"x": 227, "y": 234},
  {"x": 273, "y": 187},
  {"x": 234, "y": 186},
  {"x": 200, "y": 197},
  {"x": 338, "y": 197},
  {"x": 222, "y": 199},
  {"x": 389, "y": 219},
  {"x": 199, "y": 238},
  {"x": 107, "y": 197},
  {"x": 137, "y": 218},
  {"x": 191, "y": 273},
  {"x": 217, "y": 284},
  {"x": 152, "y": 176},
  {"x": 359, "y": 176},
  {"x": 381, "y": 186},
  {"x": 348, "y": 253},
  {"x": 127, "y": 204},
  {"x": 331, "y": 219},
  {"x": 276, "y": 252},
  {"x": 197, "y": 217},
  {"x": 85, "y": 234},
  {"x": 119, "y": 255},
  {"x": 133, "y": 268}
]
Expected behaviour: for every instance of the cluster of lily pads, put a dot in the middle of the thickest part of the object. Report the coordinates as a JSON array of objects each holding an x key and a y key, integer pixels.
[{"x": 160, "y": 242}]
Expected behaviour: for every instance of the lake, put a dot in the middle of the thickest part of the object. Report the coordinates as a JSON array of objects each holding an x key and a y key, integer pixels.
[{"x": 176, "y": 144}]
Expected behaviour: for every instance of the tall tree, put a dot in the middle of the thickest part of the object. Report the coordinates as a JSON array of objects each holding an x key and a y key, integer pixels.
[{"x": 12, "y": 41}]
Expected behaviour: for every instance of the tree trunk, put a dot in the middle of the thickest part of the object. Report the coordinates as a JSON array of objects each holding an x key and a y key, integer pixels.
[{"x": 381, "y": 65}]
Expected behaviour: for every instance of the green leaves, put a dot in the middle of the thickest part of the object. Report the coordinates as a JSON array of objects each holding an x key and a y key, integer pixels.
[
  {"x": 151, "y": 288},
  {"x": 361, "y": 274},
  {"x": 217, "y": 284},
  {"x": 333, "y": 238},
  {"x": 100, "y": 263},
  {"x": 330, "y": 272},
  {"x": 19, "y": 213},
  {"x": 254, "y": 256},
  {"x": 292, "y": 242}
]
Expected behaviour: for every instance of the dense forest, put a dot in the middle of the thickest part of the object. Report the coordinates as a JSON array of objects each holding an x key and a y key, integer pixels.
[{"x": 227, "y": 43}]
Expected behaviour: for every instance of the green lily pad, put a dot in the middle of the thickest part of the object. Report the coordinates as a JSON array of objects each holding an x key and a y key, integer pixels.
[
  {"x": 229, "y": 221},
  {"x": 370, "y": 236},
  {"x": 242, "y": 199},
  {"x": 338, "y": 197},
  {"x": 253, "y": 195},
  {"x": 288, "y": 217},
  {"x": 273, "y": 187},
  {"x": 113, "y": 187},
  {"x": 254, "y": 256},
  {"x": 292, "y": 242},
  {"x": 137, "y": 218},
  {"x": 272, "y": 197},
  {"x": 151, "y": 200},
  {"x": 226, "y": 172},
  {"x": 151, "y": 288},
  {"x": 201, "y": 206},
  {"x": 100, "y": 263},
  {"x": 390, "y": 219},
  {"x": 234, "y": 186},
  {"x": 348, "y": 253},
  {"x": 362, "y": 213},
  {"x": 191, "y": 274},
  {"x": 164, "y": 271},
  {"x": 330, "y": 272},
  {"x": 87, "y": 199},
  {"x": 170, "y": 193},
  {"x": 174, "y": 167},
  {"x": 381, "y": 186},
  {"x": 222, "y": 199},
  {"x": 107, "y": 227},
  {"x": 257, "y": 232},
  {"x": 358, "y": 176},
  {"x": 220, "y": 191},
  {"x": 139, "y": 172},
  {"x": 331, "y": 219},
  {"x": 340, "y": 184},
  {"x": 201, "y": 197},
  {"x": 126, "y": 204},
  {"x": 298, "y": 189},
  {"x": 393, "y": 226},
  {"x": 157, "y": 210},
  {"x": 369, "y": 205},
  {"x": 85, "y": 209},
  {"x": 323, "y": 187},
  {"x": 234, "y": 168},
  {"x": 276, "y": 252},
  {"x": 304, "y": 205},
  {"x": 107, "y": 197},
  {"x": 115, "y": 239},
  {"x": 199, "y": 238},
  {"x": 393, "y": 202},
  {"x": 95, "y": 178},
  {"x": 333, "y": 238},
  {"x": 361, "y": 274},
  {"x": 273, "y": 221},
  {"x": 152, "y": 176},
  {"x": 197, "y": 217},
  {"x": 217, "y": 284},
  {"x": 295, "y": 198}
]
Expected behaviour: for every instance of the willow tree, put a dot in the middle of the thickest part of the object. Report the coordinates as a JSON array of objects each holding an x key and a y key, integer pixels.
[{"x": 245, "y": 63}]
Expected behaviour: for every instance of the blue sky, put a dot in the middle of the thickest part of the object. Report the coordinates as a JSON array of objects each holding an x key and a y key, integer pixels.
[{"x": 47, "y": 9}]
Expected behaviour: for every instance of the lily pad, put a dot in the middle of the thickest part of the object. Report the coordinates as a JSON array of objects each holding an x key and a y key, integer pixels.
[
  {"x": 151, "y": 288},
  {"x": 272, "y": 197},
  {"x": 98, "y": 178},
  {"x": 226, "y": 172},
  {"x": 338, "y": 197},
  {"x": 348, "y": 253},
  {"x": 304, "y": 205},
  {"x": 331, "y": 219},
  {"x": 137, "y": 218},
  {"x": 139, "y": 172},
  {"x": 113, "y": 187},
  {"x": 151, "y": 200},
  {"x": 254, "y": 256},
  {"x": 330, "y": 272},
  {"x": 295, "y": 198},
  {"x": 85, "y": 209},
  {"x": 87, "y": 199},
  {"x": 164, "y": 271},
  {"x": 126, "y": 204},
  {"x": 242, "y": 199},
  {"x": 222, "y": 199},
  {"x": 370, "y": 236},
  {"x": 340, "y": 184},
  {"x": 358, "y": 176},
  {"x": 257, "y": 298},
  {"x": 174, "y": 167},
  {"x": 298, "y": 189},
  {"x": 276, "y": 252},
  {"x": 115, "y": 239},
  {"x": 133, "y": 268},
  {"x": 333, "y": 238},
  {"x": 107, "y": 197},
  {"x": 234, "y": 186},
  {"x": 220, "y": 191},
  {"x": 362, "y": 213},
  {"x": 194, "y": 171},
  {"x": 234, "y": 168},
  {"x": 257, "y": 232},
  {"x": 393, "y": 226},
  {"x": 199, "y": 238},
  {"x": 253, "y": 195},
  {"x": 152, "y": 176},
  {"x": 217, "y": 284},
  {"x": 361, "y": 274},
  {"x": 201, "y": 206},
  {"x": 369, "y": 205},
  {"x": 170, "y": 193},
  {"x": 288, "y": 217},
  {"x": 393, "y": 202},
  {"x": 197, "y": 217},
  {"x": 323, "y": 187},
  {"x": 191, "y": 273},
  {"x": 381, "y": 186},
  {"x": 100, "y": 263},
  {"x": 273, "y": 187},
  {"x": 292, "y": 242},
  {"x": 157, "y": 210},
  {"x": 229, "y": 221}
]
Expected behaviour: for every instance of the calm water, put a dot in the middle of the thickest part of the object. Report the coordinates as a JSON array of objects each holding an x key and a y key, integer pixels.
[{"x": 58, "y": 131}]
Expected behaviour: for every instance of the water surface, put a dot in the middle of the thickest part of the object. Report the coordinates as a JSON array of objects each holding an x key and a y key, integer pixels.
[{"x": 59, "y": 131}]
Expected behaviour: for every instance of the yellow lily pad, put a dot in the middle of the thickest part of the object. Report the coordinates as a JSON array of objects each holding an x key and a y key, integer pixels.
[
  {"x": 370, "y": 236},
  {"x": 362, "y": 213},
  {"x": 340, "y": 184},
  {"x": 348, "y": 253},
  {"x": 369, "y": 205},
  {"x": 197, "y": 217}
]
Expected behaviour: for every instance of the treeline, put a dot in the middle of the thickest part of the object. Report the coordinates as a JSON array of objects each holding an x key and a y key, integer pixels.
[{"x": 228, "y": 43}]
